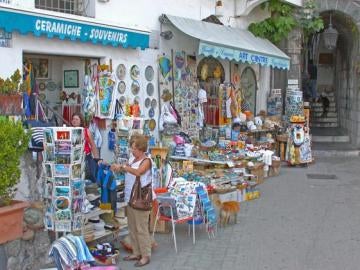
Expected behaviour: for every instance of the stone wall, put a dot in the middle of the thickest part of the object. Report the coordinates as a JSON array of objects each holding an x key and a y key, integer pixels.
[{"x": 30, "y": 252}]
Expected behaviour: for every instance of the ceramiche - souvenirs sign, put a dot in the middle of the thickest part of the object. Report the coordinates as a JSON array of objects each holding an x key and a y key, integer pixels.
[
  {"x": 242, "y": 56},
  {"x": 66, "y": 29}
]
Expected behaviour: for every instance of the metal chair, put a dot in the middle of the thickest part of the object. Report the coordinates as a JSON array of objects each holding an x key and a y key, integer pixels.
[{"x": 170, "y": 204}]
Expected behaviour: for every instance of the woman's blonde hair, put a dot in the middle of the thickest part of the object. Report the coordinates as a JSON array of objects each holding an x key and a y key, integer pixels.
[{"x": 139, "y": 141}]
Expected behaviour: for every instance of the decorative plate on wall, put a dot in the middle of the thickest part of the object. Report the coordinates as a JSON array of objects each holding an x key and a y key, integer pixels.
[
  {"x": 137, "y": 99},
  {"x": 151, "y": 113},
  {"x": 122, "y": 100},
  {"x": 135, "y": 87},
  {"x": 147, "y": 102},
  {"x": 51, "y": 86},
  {"x": 121, "y": 87},
  {"x": 42, "y": 96},
  {"x": 121, "y": 72},
  {"x": 149, "y": 73},
  {"x": 135, "y": 72},
  {"x": 150, "y": 89},
  {"x": 42, "y": 86},
  {"x": 153, "y": 103},
  {"x": 152, "y": 124}
]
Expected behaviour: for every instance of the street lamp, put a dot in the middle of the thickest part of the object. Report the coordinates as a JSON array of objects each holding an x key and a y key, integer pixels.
[{"x": 330, "y": 36}]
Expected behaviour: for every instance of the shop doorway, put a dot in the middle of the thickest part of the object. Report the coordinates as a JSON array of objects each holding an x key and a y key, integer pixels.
[
  {"x": 249, "y": 89},
  {"x": 336, "y": 80},
  {"x": 58, "y": 81},
  {"x": 211, "y": 75}
]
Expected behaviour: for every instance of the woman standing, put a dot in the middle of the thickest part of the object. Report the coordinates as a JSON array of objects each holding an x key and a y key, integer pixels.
[
  {"x": 90, "y": 149},
  {"x": 138, "y": 220}
]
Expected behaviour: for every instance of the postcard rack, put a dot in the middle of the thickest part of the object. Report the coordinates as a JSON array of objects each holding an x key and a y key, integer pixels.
[{"x": 64, "y": 191}]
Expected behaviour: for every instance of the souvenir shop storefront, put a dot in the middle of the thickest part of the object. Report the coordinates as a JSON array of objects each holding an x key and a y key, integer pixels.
[
  {"x": 65, "y": 61},
  {"x": 206, "y": 106}
]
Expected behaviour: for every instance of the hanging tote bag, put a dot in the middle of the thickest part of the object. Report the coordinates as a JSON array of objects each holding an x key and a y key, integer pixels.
[{"x": 141, "y": 197}]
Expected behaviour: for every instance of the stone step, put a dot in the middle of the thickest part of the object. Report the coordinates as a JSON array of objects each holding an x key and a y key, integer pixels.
[
  {"x": 320, "y": 109},
  {"x": 317, "y": 138},
  {"x": 319, "y": 114},
  {"x": 319, "y": 105},
  {"x": 324, "y": 125},
  {"x": 330, "y": 149},
  {"x": 324, "y": 120}
]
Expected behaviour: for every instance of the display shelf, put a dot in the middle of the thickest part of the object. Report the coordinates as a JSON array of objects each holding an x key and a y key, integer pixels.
[
  {"x": 95, "y": 213},
  {"x": 198, "y": 160},
  {"x": 108, "y": 235}
]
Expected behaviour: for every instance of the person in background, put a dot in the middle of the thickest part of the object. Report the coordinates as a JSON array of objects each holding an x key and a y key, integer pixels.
[
  {"x": 90, "y": 149},
  {"x": 138, "y": 220},
  {"x": 312, "y": 71}
]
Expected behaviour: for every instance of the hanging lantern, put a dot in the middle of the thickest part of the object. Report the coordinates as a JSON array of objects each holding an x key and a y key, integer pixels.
[{"x": 330, "y": 36}]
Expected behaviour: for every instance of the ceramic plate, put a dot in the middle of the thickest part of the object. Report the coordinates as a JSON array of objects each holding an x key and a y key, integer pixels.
[
  {"x": 122, "y": 100},
  {"x": 149, "y": 73},
  {"x": 150, "y": 89},
  {"x": 121, "y": 87},
  {"x": 135, "y": 87},
  {"x": 147, "y": 102},
  {"x": 42, "y": 86},
  {"x": 135, "y": 72},
  {"x": 153, "y": 103},
  {"x": 152, "y": 124},
  {"x": 151, "y": 113},
  {"x": 51, "y": 86},
  {"x": 42, "y": 96},
  {"x": 121, "y": 72},
  {"x": 137, "y": 99}
]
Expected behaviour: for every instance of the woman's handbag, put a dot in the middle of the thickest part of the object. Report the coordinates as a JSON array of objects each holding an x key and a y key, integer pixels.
[{"x": 141, "y": 197}]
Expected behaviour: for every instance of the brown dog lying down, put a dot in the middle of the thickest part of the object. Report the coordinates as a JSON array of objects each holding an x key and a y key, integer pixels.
[{"x": 227, "y": 210}]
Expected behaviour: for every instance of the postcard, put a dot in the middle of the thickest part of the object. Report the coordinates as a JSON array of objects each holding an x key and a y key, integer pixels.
[
  {"x": 78, "y": 188},
  {"x": 49, "y": 136},
  {"x": 63, "y": 226},
  {"x": 63, "y": 214},
  {"x": 76, "y": 170},
  {"x": 62, "y": 203},
  {"x": 77, "y": 205},
  {"x": 77, "y": 154},
  {"x": 63, "y": 135},
  {"x": 78, "y": 222},
  {"x": 63, "y": 158},
  {"x": 62, "y": 191},
  {"x": 62, "y": 181},
  {"x": 49, "y": 154},
  {"x": 63, "y": 147},
  {"x": 77, "y": 136},
  {"x": 61, "y": 170}
]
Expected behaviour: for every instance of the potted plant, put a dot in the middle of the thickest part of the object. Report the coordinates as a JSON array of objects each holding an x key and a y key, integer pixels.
[
  {"x": 14, "y": 142},
  {"x": 10, "y": 97}
]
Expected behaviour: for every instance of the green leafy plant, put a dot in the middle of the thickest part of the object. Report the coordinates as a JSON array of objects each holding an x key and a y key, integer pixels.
[
  {"x": 310, "y": 21},
  {"x": 10, "y": 85},
  {"x": 14, "y": 142},
  {"x": 284, "y": 18},
  {"x": 278, "y": 25}
]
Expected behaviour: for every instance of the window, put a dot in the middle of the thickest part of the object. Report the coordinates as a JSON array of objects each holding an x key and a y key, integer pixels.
[
  {"x": 5, "y": 39},
  {"x": 65, "y": 6}
]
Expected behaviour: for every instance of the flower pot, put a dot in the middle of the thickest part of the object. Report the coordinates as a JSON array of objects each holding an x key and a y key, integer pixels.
[
  {"x": 11, "y": 104},
  {"x": 11, "y": 220}
]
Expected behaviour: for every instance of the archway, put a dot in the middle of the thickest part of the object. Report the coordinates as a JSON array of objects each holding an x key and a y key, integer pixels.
[
  {"x": 249, "y": 87},
  {"x": 337, "y": 72}
]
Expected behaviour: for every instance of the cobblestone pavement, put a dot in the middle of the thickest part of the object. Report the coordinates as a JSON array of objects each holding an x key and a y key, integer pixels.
[{"x": 298, "y": 223}]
